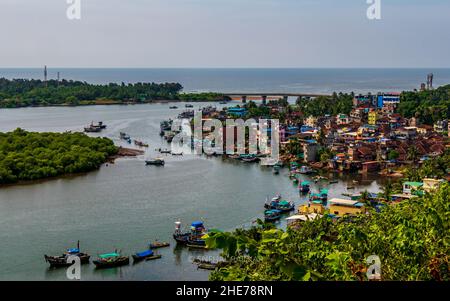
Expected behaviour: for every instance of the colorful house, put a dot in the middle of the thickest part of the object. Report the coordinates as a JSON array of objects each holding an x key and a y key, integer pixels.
[{"x": 342, "y": 207}]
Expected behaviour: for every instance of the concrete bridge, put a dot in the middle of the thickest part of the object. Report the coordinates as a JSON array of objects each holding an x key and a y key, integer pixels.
[{"x": 264, "y": 96}]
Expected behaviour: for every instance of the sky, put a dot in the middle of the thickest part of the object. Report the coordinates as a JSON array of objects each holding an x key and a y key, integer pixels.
[{"x": 225, "y": 33}]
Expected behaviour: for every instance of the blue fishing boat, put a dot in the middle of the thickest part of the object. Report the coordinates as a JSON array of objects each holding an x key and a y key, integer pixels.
[
  {"x": 192, "y": 237},
  {"x": 272, "y": 215},
  {"x": 147, "y": 255},
  {"x": 278, "y": 204}
]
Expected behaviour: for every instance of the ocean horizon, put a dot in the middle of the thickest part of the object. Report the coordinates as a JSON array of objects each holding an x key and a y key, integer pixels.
[{"x": 226, "y": 80}]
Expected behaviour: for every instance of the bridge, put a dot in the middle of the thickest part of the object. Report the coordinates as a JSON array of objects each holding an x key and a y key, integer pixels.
[{"x": 264, "y": 95}]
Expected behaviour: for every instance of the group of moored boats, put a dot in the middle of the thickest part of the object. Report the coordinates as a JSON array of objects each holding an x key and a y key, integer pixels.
[
  {"x": 127, "y": 138},
  {"x": 276, "y": 207},
  {"x": 107, "y": 260},
  {"x": 193, "y": 238}
]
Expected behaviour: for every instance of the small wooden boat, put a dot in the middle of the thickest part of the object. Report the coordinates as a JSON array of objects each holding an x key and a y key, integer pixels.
[
  {"x": 333, "y": 182},
  {"x": 144, "y": 255},
  {"x": 159, "y": 244},
  {"x": 276, "y": 170},
  {"x": 157, "y": 162},
  {"x": 188, "y": 105},
  {"x": 177, "y": 154},
  {"x": 164, "y": 151},
  {"x": 111, "y": 260},
  {"x": 140, "y": 143},
  {"x": 62, "y": 260},
  {"x": 173, "y": 107},
  {"x": 207, "y": 266}
]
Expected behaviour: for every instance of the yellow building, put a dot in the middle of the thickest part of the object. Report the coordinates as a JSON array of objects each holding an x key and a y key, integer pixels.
[
  {"x": 430, "y": 185},
  {"x": 373, "y": 117},
  {"x": 341, "y": 207}
]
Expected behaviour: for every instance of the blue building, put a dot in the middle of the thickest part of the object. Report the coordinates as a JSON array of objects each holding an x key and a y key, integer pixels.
[{"x": 387, "y": 99}]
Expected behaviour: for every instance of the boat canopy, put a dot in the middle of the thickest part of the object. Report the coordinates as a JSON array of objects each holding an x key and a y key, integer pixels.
[
  {"x": 324, "y": 191},
  {"x": 197, "y": 224},
  {"x": 272, "y": 211},
  {"x": 108, "y": 255},
  {"x": 305, "y": 183},
  {"x": 284, "y": 203},
  {"x": 73, "y": 251},
  {"x": 145, "y": 253}
]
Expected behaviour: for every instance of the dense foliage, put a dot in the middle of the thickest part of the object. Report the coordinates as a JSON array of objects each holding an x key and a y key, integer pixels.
[
  {"x": 32, "y": 156},
  {"x": 428, "y": 106},
  {"x": 320, "y": 106},
  {"x": 412, "y": 240},
  {"x": 437, "y": 167},
  {"x": 22, "y": 92}
]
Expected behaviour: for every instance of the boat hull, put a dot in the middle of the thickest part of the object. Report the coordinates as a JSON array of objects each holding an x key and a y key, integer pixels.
[{"x": 103, "y": 264}]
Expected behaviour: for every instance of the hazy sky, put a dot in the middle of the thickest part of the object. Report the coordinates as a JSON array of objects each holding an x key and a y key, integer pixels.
[{"x": 225, "y": 33}]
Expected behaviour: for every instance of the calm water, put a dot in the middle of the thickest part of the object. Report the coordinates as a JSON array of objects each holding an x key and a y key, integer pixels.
[
  {"x": 255, "y": 80},
  {"x": 127, "y": 204}
]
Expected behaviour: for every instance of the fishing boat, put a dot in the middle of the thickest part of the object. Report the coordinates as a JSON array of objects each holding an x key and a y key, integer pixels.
[
  {"x": 111, "y": 260},
  {"x": 192, "y": 237},
  {"x": 158, "y": 244},
  {"x": 62, "y": 260},
  {"x": 304, "y": 187},
  {"x": 177, "y": 154},
  {"x": 95, "y": 128},
  {"x": 164, "y": 151},
  {"x": 173, "y": 107},
  {"x": 147, "y": 254},
  {"x": 333, "y": 182},
  {"x": 140, "y": 143},
  {"x": 188, "y": 105},
  {"x": 157, "y": 162},
  {"x": 272, "y": 215},
  {"x": 278, "y": 204},
  {"x": 207, "y": 266},
  {"x": 323, "y": 194},
  {"x": 248, "y": 158},
  {"x": 305, "y": 170}
]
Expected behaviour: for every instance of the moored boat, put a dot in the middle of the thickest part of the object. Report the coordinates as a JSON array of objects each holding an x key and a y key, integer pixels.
[
  {"x": 158, "y": 244},
  {"x": 140, "y": 143},
  {"x": 304, "y": 187},
  {"x": 278, "y": 204},
  {"x": 272, "y": 215},
  {"x": 305, "y": 170},
  {"x": 157, "y": 162},
  {"x": 147, "y": 255},
  {"x": 111, "y": 260},
  {"x": 63, "y": 260},
  {"x": 193, "y": 237}
]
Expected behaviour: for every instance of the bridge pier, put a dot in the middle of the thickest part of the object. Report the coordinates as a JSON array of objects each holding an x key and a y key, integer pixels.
[{"x": 244, "y": 98}]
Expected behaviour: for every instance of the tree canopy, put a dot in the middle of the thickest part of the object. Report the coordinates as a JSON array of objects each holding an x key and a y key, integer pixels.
[{"x": 31, "y": 156}]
